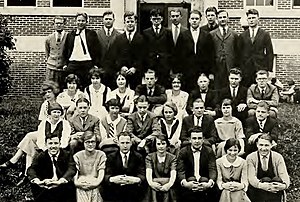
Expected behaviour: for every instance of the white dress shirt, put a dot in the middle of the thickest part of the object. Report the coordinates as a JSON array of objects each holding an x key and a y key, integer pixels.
[{"x": 77, "y": 53}]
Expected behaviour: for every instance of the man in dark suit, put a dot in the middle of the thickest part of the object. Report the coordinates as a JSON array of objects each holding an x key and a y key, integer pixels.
[
  {"x": 196, "y": 170},
  {"x": 107, "y": 35},
  {"x": 237, "y": 93},
  {"x": 81, "y": 122},
  {"x": 198, "y": 51},
  {"x": 211, "y": 16},
  {"x": 82, "y": 50},
  {"x": 206, "y": 122},
  {"x": 158, "y": 44},
  {"x": 260, "y": 123},
  {"x": 226, "y": 50},
  {"x": 124, "y": 173},
  {"x": 208, "y": 96},
  {"x": 51, "y": 174},
  {"x": 128, "y": 51},
  {"x": 177, "y": 29},
  {"x": 156, "y": 94},
  {"x": 256, "y": 50}
]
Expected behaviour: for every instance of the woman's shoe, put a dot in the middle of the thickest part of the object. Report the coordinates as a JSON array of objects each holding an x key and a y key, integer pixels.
[{"x": 7, "y": 164}]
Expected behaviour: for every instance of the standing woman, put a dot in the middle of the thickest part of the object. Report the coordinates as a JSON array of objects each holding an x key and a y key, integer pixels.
[
  {"x": 90, "y": 165},
  {"x": 161, "y": 172},
  {"x": 124, "y": 94},
  {"x": 232, "y": 173},
  {"x": 177, "y": 96}
]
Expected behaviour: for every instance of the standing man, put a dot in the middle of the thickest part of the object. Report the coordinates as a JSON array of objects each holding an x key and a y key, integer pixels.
[
  {"x": 198, "y": 51},
  {"x": 82, "y": 50},
  {"x": 107, "y": 35},
  {"x": 158, "y": 43},
  {"x": 54, "y": 46},
  {"x": 226, "y": 50},
  {"x": 177, "y": 29},
  {"x": 256, "y": 50},
  {"x": 211, "y": 16}
]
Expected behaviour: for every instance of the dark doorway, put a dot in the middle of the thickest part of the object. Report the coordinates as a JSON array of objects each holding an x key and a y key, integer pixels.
[{"x": 145, "y": 8}]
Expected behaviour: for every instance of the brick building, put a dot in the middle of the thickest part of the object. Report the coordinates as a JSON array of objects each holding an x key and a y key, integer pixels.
[{"x": 31, "y": 22}]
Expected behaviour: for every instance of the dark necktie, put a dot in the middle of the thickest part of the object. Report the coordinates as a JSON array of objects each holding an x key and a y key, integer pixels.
[
  {"x": 111, "y": 131},
  {"x": 252, "y": 36},
  {"x": 58, "y": 37},
  {"x": 224, "y": 32},
  {"x": 261, "y": 127},
  {"x": 129, "y": 36},
  {"x": 108, "y": 32},
  {"x": 262, "y": 93},
  {"x": 125, "y": 161},
  {"x": 157, "y": 30},
  {"x": 233, "y": 93},
  {"x": 81, "y": 41}
]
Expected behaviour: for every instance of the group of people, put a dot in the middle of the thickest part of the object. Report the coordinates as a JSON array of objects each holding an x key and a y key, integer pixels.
[{"x": 211, "y": 135}]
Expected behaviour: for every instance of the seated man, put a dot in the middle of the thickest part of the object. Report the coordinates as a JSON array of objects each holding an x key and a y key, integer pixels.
[
  {"x": 156, "y": 94},
  {"x": 237, "y": 93},
  {"x": 143, "y": 124},
  {"x": 111, "y": 126},
  {"x": 207, "y": 95},
  {"x": 51, "y": 173},
  {"x": 196, "y": 170},
  {"x": 267, "y": 173},
  {"x": 204, "y": 121},
  {"x": 81, "y": 122},
  {"x": 260, "y": 123},
  {"x": 124, "y": 172},
  {"x": 262, "y": 91}
]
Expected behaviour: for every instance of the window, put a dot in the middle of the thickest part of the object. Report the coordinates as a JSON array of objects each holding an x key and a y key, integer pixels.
[
  {"x": 296, "y": 3},
  {"x": 259, "y": 2},
  {"x": 21, "y": 2},
  {"x": 67, "y": 3}
]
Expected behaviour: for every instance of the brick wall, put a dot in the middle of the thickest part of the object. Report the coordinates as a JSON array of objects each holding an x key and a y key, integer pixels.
[
  {"x": 288, "y": 66},
  {"x": 43, "y": 3},
  {"x": 284, "y": 4},
  {"x": 231, "y": 4},
  {"x": 97, "y": 3}
]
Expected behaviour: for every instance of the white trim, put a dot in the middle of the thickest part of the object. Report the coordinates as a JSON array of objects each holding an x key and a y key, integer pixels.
[
  {"x": 262, "y": 7},
  {"x": 292, "y": 13}
]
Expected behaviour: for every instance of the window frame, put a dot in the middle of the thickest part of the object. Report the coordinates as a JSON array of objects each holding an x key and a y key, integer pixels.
[
  {"x": 6, "y": 5},
  {"x": 293, "y": 4},
  {"x": 51, "y": 5}
]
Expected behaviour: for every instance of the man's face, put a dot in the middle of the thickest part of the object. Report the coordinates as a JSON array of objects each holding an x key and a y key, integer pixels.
[
  {"x": 234, "y": 80},
  {"x": 114, "y": 111},
  {"x": 194, "y": 20},
  {"x": 81, "y": 22},
  {"x": 203, "y": 82},
  {"x": 108, "y": 21},
  {"x": 142, "y": 107},
  {"x": 226, "y": 110},
  {"x": 198, "y": 109},
  {"x": 261, "y": 113},
  {"x": 130, "y": 23},
  {"x": 223, "y": 19},
  {"x": 59, "y": 24},
  {"x": 263, "y": 146},
  {"x": 156, "y": 20},
  {"x": 211, "y": 17},
  {"x": 175, "y": 17},
  {"x": 196, "y": 140},
  {"x": 83, "y": 109},
  {"x": 53, "y": 145},
  {"x": 124, "y": 144},
  {"x": 252, "y": 20},
  {"x": 261, "y": 80},
  {"x": 150, "y": 79}
]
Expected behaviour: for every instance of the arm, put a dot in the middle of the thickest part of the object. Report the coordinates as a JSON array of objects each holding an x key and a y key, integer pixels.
[
  {"x": 161, "y": 98},
  {"x": 32, "y": 171},
  {"x": 184, "y": 134},
  {"x": 219, "y": 177},
  {"x": 274, "y": 98},
  {"x": 282, "y": 171},
  {"x": 212, "y": 169},
  {"x": 97, "y": 129},
  {"x": 269, "y": 52},
  {"x": 244, "y": 177},
  {"x": 47, "y": 48},
  {"x": 252, "y": 171},
  {"x": 69, "y": 174},
  {"x": 66, "y": 134},
  {"x": 251, "y": 101}
]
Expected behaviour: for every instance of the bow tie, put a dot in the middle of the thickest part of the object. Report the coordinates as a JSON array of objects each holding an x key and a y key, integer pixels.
[{"x": 196, "y": 150}]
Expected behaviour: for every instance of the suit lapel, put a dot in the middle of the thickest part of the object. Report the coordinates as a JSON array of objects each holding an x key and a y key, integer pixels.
[
  {"x": 259, "y": 32},
  {"x": 219, "y": 35},
  {"x": 227, "y": 34},
  {"x": 146, "y": 122}
]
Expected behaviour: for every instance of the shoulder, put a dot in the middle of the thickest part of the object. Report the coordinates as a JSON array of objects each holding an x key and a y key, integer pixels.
[
  {"x": 133, "y": 115},
  {"x": 252, "y": 156},
  {"x": 136, "y": 155},
  {"x": 276, "y": 156},
  {"x": 208, "y": 117},
  {"x": 252, "y": 87},
  {"x": 151, "y": 114},
  {"x": 93, "y": 118},
  {"x": 113, "y": 156},
  {"x": 100, "y": 154}
]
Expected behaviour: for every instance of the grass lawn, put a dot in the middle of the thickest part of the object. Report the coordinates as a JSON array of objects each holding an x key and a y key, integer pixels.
[{"x": 19, "y": 117}]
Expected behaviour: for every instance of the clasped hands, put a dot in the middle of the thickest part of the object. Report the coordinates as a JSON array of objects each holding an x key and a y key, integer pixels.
[
  {"x": 159, "y": 187},
  {"x": 87, "y": 183},
  {"x": 49, "y": 183},
  {"x": 128, "y": 71},
  {"x": 273, "y": 187},
  {"x": 124, "y": 180},
  {"x": 233, "y": 186},
  {"x": 197, "y": 186}
]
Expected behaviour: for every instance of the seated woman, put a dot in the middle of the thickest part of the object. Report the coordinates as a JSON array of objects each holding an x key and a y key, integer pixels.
[
  {"x": 232, "y": 173},
  {"x": 171, "y": 126},
  {"x": 177, "y": 96},
  {"x": 228, "y": 127},
  {"x": 124, "y": 94},
  {"x": 267, "y": 173},
  {"x": 90, "y": 164},
  {"x": 69, "y": 96},
  {"x": 161, "y": 172}
]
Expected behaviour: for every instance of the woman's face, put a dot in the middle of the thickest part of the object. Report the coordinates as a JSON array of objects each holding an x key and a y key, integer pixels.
[
  {"x": 121, "y": 81},
  {"x": 96, "y": 80},
  {"x": 90, "y": 144},
  {"x": 168, "y": 113},
  {"x": 232, "y": 152},
  {"x": 176, "y": 84},
  {"x": 49, "y": 95},
  {"x": 161, "y": 146},
  {"x": 55, "y": 114},
  {"x": 72, "y": 86}
]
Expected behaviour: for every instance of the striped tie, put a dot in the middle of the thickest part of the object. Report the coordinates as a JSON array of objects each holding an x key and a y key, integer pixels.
[{"x": 111, "y": 130}]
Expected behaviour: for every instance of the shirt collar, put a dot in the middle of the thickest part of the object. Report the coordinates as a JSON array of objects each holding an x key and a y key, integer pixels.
[
  {"x": 174, "y": 121},
  {"x": 263, "y": 121},
  {"x": 173, "y": 26},
  {"x": 238, "y": 161},
  {"x": 161, "y": 159},
  {"x": 196, "y": 30},
  {"x": 154, "y": 28},
  {"x": 142, "y": 118},
  {"x": 261, "y": 156},
  {"x": 55, "y": 156},
  {"x": 122, "y": 154},
  {"x": 196, "y": 150},
  {"x": 109, "y": 121},
  {"x": 106, "y": 30}
]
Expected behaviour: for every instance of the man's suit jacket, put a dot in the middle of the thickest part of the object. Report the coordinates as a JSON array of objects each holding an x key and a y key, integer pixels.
[
  {"x": 271, "y": 95},
  {"x": 91, "y": 124},
  {"x": 41, "y": 166},
  {"x": 209, "y": 28},
  {"x": 114, "y": 167},
  {"x": 209, "y": 102},
  {"x": 185, "y": 163},
  {"x": 257, "y": 55},
  {"x": 93, "y": 46},
  {"x": 207, "y": 126},
  {"x": 54, "y": 51}
]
